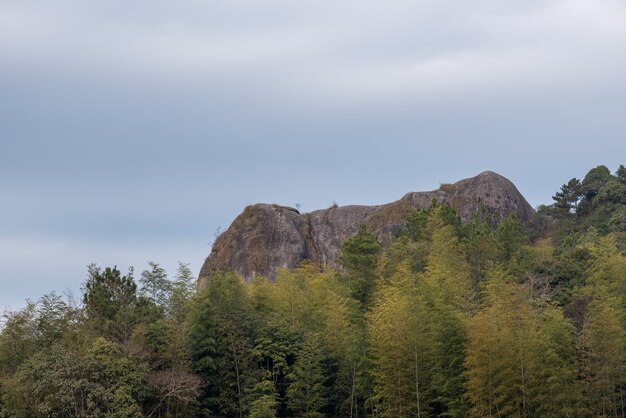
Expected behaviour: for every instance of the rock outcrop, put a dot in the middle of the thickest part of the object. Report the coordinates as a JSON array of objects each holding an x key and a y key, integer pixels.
[{"x": 265, "y": 237}]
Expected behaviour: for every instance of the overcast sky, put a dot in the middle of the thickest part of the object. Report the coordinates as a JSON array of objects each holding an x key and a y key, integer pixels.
[{"x": 132, "y": 130}]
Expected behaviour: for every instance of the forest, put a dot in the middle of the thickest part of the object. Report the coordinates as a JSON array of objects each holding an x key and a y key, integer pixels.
[{"x": 484, "y": 318}]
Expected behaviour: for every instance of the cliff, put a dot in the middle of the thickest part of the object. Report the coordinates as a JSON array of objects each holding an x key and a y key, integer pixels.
[{"x": 265, "y": 237}]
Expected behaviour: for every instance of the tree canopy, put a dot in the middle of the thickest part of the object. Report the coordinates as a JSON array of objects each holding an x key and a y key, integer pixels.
[{"x": 485, "y": 318}]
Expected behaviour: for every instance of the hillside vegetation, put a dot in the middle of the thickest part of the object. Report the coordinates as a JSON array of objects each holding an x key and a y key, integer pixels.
[{"x": 450, "y": 319}]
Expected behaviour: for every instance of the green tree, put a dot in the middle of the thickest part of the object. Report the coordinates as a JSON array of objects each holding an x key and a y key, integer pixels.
[
  {"x": 307, "y": 392},
  {"x": 60, "y": 382},
  {"x": 18, "y": 340},
  {"x": 55, "y": 382},
  {"x": 265, "y": 403},
  {"x": 205, "y": 352},
  {"x": 510, "y": 238},
  {"x": 594, "y": 180},
  {"x": 122, "y": 377},
  {"x": 183, "y": 290},
  {"x": 566, "y": 200},
  {"x": 155, "y": 284},
  {"x": 110, "y": 300},
  {"x": 621, "y": 173},
  {"x": 220, "y": 337},
  {"x": 359, "y": 257},
  {"x": 479, "y": 246},
  {"x": 55, "y": 319}
]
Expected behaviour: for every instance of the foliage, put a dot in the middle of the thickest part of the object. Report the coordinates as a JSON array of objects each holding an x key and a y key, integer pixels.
[
  {"x": 359, "y": 256},
  {"x": 306, "y": 394},
  {"x": 488, "y": 317},
  {"x": 110, "y": 299}
]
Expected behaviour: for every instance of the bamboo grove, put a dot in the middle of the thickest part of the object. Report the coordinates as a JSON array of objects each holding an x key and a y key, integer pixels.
[{"x": 485, "y": 318}]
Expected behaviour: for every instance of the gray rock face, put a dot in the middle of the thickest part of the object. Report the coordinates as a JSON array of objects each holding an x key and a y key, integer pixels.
[{"x": 266, "y": 237}]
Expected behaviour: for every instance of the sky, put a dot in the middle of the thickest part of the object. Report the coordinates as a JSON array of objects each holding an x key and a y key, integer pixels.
[{"x": 134, "y": 130}]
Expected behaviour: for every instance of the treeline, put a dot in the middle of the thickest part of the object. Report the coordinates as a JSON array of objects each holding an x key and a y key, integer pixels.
[
  {"x": 487, "y": 318},
  {"x": 119, "y": 352}
]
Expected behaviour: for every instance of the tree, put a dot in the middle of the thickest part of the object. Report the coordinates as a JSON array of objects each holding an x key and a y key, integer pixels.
[
  {"x": 621, "y": 173},
  {"x": 306, "y": 394},
  {"x": 400, "y": 344},
  {"x": 205, "y": 352},
  {"x": 59, "y": 382},
  {"x": 110, "y": 300},
  {"x": 448, "y": 336},
  {"x": 220, "y": 339},
  {"x": 519, "y": 356},
  {"x": 155, "y": 285},
  {"x": 447, "y": 273},
  {"x": 446, "y": 287},
  {"x": 18, "y": 340},
  {"x": 122, "y": 378},
  {"x": 567, "y": 199},
  {"x": 479, "y": 246},
  {"x": 55, "y": 382},
  {"x": 55, "y": 319},
  {"x": 594, "y": 180},
  {"x": 176, "y": 390},
  {"x": 359, "y": 256},
  {"x": 510, "y": 237},
  {"x": 265, "y": 403},
  {"x": 183, "y": 290},
  {"x": 602, "y": 341}
]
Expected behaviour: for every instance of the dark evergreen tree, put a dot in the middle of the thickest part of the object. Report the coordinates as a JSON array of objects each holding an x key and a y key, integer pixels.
[
  {"x": 359, "y": 256},
  {"x": 621, "y": 173},
  {"x": 220, "y": 338},
  {"x": 566, "y": 200},
  {"x": 307, "y": 393},
  {"x": 110, "y": 300}
]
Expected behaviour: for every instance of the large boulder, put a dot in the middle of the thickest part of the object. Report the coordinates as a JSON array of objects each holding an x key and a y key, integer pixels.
[{"x": 266, "y": 237}]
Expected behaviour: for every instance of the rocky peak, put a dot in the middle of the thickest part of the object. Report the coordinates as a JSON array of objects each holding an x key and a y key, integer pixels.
[{"x": 265, "y": 237}]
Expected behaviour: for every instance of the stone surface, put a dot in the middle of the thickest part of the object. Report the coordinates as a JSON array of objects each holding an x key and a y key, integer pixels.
[{"x": 266, "y": 237}]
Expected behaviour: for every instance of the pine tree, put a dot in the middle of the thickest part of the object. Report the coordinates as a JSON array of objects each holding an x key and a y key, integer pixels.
[
  {"x": 567, "y": 199},
  {"x": 110, "y": 299},
  {"x": 359, "y": 256}
]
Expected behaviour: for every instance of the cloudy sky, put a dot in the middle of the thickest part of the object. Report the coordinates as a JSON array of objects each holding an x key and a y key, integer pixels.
[{"x": 132, "y": 130}]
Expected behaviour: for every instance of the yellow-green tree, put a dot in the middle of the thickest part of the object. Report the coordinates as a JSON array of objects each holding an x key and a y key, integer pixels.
[
  {"x": 398, "y": 338},
  {"x": 602, "y": 343},
  {"x": 519, "y": 357},
  {"x": 447, "y": 272}
]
